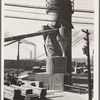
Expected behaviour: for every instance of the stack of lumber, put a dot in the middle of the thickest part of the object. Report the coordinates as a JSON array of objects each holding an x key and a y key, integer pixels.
[
  {"x": 32, "y": 97},
  {"x": 41, "y": 92},
  {"x": 24, "y": 90},
  {"x": 11, "y": 93},
  {"x": 33, "y": 83},
  {"x": 8, "y": 92}
]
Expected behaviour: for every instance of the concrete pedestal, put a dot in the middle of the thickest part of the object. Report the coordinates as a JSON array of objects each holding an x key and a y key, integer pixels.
[
  {"x": 53, "y": 81},
  {"x": 56, "y": 64}
]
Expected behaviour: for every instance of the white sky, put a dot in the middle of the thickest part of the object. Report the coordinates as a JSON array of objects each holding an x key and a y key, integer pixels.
[{"x": 18, "y": 26}]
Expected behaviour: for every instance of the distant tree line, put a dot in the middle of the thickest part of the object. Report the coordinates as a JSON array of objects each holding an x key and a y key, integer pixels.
[{"x": 23, "y": 64}]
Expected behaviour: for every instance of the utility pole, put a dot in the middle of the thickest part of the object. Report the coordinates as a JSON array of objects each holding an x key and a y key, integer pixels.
[
  {"x": 18, "y": 58},
  {"x": 88, "y": 62}
]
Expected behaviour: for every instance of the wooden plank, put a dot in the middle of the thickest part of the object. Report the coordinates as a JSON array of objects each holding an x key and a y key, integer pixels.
[
  {"x": 10, "y": 92},
  {"x": 72, "y": 86},
  {"x": 76, "y": 87},
  {"x": 8, "y": 95},
  {"x": 33, "y": 83},
  {"x": 24, "y": 90},
  {"x": 23, "y": 95},
  {"x": 41, "y": 92}
]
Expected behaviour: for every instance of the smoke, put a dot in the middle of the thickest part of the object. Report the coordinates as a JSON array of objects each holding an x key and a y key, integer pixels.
[
  {"x": 31, "y": 43},
  {"x": 28, "y": 42}
]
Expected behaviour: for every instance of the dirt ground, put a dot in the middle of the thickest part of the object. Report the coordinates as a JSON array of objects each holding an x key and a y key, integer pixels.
[{"x": 63, "y": 95}]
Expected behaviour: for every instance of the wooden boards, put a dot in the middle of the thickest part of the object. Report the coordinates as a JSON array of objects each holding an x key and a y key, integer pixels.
[
  {"x": 41, "y": 92},
  {"x": 53, "y": 81},
  {"x": 12, "y": 91}
]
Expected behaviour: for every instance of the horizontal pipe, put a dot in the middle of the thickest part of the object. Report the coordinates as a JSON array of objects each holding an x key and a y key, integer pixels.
[
  {"x": 10, "y": 43},
  {"x": 19, "y": 37}
]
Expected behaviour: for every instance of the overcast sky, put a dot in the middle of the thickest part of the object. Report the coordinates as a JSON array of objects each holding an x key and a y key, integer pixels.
[{"x": 13, "y": 27}]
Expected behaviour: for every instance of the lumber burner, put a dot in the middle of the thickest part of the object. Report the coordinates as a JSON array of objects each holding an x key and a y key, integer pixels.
[{"x": 58, "y": 45}]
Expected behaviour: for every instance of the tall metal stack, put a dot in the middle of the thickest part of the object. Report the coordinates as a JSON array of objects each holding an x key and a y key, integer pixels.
[
  {"x": 61, "y": 12},
  {"x": 58, "y": 45}
]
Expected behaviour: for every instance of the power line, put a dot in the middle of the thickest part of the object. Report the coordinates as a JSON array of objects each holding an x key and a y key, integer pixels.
[
  {"x": 83, "y": 17},
  {"x": 25, "y": 6},
  {"x": 24, "y": 11},
  {"x": 77, "y": 41},
  {"x": 25, "y": 18},
  {"x": 89, "y": 25},
  {"x": 44, "y": 13},
  {"x": 41, "y": 7},
  {"x": 69, "y": 47},
  {"x": 76, "y": 33},
  {"x": 16, "y": 17},
  {"x": 78, "y": 38},
  {"x": 83, "y": 23},
  {"x": 40, "y": 56},
  {"x": 85, "y": 11}
]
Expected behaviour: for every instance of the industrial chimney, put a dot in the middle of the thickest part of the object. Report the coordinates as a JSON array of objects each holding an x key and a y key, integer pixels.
[{"x": 31, "y": 55}]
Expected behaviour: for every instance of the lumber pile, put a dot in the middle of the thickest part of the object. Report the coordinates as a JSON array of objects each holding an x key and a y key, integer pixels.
[
  {"x": 32, "y": 97},
  {"x": 41, "y": 92},
  {"x": 8, "y": 92},
  {"x": 33, "y": 83},
  {"x": 12, "y": 94},
  {"x": 24, "y": 91}
]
